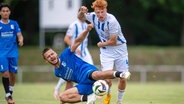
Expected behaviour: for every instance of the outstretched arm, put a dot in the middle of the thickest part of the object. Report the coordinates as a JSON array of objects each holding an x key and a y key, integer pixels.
[{"x": 80, "y": 38}]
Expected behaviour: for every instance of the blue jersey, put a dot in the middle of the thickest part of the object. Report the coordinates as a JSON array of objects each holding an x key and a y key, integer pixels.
[
  {"x": 8, "y": 41},
  {"x": 72, "y": 68}
]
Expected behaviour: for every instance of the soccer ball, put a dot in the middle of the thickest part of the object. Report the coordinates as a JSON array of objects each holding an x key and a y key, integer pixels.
[{"x": 100, "y": 87}]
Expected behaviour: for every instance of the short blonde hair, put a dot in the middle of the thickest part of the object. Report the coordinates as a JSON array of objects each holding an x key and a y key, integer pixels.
[{"x": 100, "y": 4}]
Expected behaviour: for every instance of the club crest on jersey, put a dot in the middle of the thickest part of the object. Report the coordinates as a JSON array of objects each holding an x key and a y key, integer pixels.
[
  {"x": 12, "y": 26},
  {"x": 106, "y": 30},
  {"x": 63, "y": 63}
]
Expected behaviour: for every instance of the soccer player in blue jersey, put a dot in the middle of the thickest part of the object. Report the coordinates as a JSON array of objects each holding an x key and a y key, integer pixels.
[
  {"x": 9, "y": 34},
  {"x": 73, "y": 69},
  {"x": 74, "y": 30},
  {"x": 113, "y": 47}
]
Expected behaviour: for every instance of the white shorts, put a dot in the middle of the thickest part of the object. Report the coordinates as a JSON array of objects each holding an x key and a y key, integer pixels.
[
  {"x": 114, "y": 56},
  {"x": 87, "y": 58}
]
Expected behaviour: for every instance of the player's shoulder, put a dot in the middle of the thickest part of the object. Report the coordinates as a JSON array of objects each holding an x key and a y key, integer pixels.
[
  {"x": 12, "y": 21},
  {"x": 74, "y": 23},
  {"x": 90, "y": 13},
  {"x": 111, "y": 18}
]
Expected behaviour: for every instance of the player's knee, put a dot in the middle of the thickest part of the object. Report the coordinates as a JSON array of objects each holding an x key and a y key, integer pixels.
[
  {"x": 122, "y": 80},
  {"x": 96, "y": 75},
  {"x": 5, "y": 74},
  {"x": 62, "y": 98},
  {"x": 109, "y": 82}
]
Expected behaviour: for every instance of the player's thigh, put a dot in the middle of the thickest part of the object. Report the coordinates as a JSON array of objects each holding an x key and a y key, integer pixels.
[
  {"x": 121, "y": 64},
  {"x": 3, "y": 64},
  {"x": 13, "y": 65},
  {"x": 107, "y": 62}
]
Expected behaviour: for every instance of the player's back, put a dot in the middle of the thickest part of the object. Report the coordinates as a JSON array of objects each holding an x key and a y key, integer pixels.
[{"x": 72, "y": 67}]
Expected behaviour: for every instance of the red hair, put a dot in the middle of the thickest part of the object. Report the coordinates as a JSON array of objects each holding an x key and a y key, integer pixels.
[{"x": 100, "y": 4}]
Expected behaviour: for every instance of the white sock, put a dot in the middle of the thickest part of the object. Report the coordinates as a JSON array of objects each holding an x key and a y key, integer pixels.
[
  {"x": 11, "y": 88},
  {"x": 114, "y": 74},
  {"x": 120, "y": 95},
  {"x": 81, "y": 97},
  {"x": 60, "y": 82},
  {"x": 110, "y": 90},
  {"x": 8, "y": 94}
]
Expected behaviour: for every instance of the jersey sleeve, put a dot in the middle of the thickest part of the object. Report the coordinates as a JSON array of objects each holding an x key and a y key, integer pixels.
[
  {"x": 113, "y": 26},
  {"x": 71, "y": 30},
  {"x": 90, "y": 16},
  {"x": 17, "y": 28}
]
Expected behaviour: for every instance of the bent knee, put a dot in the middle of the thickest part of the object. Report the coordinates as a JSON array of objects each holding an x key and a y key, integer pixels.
[
  {"x": 122, "y": 80},
  {"x": 63, "y": 98}
]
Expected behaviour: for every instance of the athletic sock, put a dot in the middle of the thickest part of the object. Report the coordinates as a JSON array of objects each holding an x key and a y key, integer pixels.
[
  {"x": 117, "y": 74},
  {"x": 6, "y": 84},
  {"x": 11, "y": 88},
  {"x": 84, "y": 98},
  {"x": 110, "y": 90},
  {"x": 120, "y": 95}
]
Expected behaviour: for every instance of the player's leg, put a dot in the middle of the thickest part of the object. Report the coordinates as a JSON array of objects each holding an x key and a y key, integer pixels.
[
  {"x": 85, "y": 89},
  {"x": 121, "y": 64},
  {"x": 107, "y": 63},
  {"x": 108, "y": 74},
  {"x": 12, "y": 79},
  {"x": 13, "y": 70},
  {"x": 70, "y": 96},
  {"x": 5, "y": 79},
  {"x": 79, "y": 93},
  {"x": 107, "y": 97}
]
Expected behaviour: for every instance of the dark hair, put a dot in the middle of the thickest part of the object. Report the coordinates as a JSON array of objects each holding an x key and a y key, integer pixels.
[
  {"x": 44, "y": 51},
  {"x": 4, "y": 5}
]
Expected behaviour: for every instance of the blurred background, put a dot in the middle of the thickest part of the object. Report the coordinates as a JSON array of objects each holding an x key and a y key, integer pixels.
[{"x": 154, "y": 30}]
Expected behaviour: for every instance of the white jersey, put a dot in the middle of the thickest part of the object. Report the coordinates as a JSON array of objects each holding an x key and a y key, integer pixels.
[
  {"x": 74, "y": 30},
  {"x": 110, "y": 55},
  {"x": 106, "y": 28}
]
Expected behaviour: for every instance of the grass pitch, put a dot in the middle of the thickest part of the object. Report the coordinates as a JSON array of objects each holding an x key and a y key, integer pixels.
[{"x": 136, "y": 93}]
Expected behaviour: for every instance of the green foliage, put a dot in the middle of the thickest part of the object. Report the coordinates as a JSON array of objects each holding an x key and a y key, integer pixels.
[
  {"x": 144, "y": 22},
  {"x": 148, "y": 22}
]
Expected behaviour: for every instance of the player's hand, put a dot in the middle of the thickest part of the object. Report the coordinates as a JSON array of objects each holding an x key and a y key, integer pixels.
[
  {"x": 56, "y": 94},
  {"x": 99, "y": 44},
  {"x": 90, "y": 26},
  {"x": 20, "y": 42},
  {"x": 84, "y": 9},
  {"x": 78, "y": 52}
]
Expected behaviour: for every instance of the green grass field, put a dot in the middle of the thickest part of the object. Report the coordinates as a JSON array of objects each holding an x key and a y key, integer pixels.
[{"x": 136, "y": 93}]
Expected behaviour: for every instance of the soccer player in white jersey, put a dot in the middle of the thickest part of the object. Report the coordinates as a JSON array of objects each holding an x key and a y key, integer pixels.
[
  {"x": 74, "y": 30},
  {"x": 113, "y": 47},
  {"x": 9, "y": 34}
]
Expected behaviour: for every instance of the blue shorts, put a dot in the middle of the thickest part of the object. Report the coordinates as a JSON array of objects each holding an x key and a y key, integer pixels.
[
  {"x": 10, "y": 64},
  {"x": 85, "y": 87}
]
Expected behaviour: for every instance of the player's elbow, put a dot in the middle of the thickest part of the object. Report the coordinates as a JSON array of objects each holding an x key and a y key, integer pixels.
[{"x": 113, "y": 42}]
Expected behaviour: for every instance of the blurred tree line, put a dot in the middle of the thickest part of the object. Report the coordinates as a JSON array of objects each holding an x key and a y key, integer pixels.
[{"x": 143, "y": 22}]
